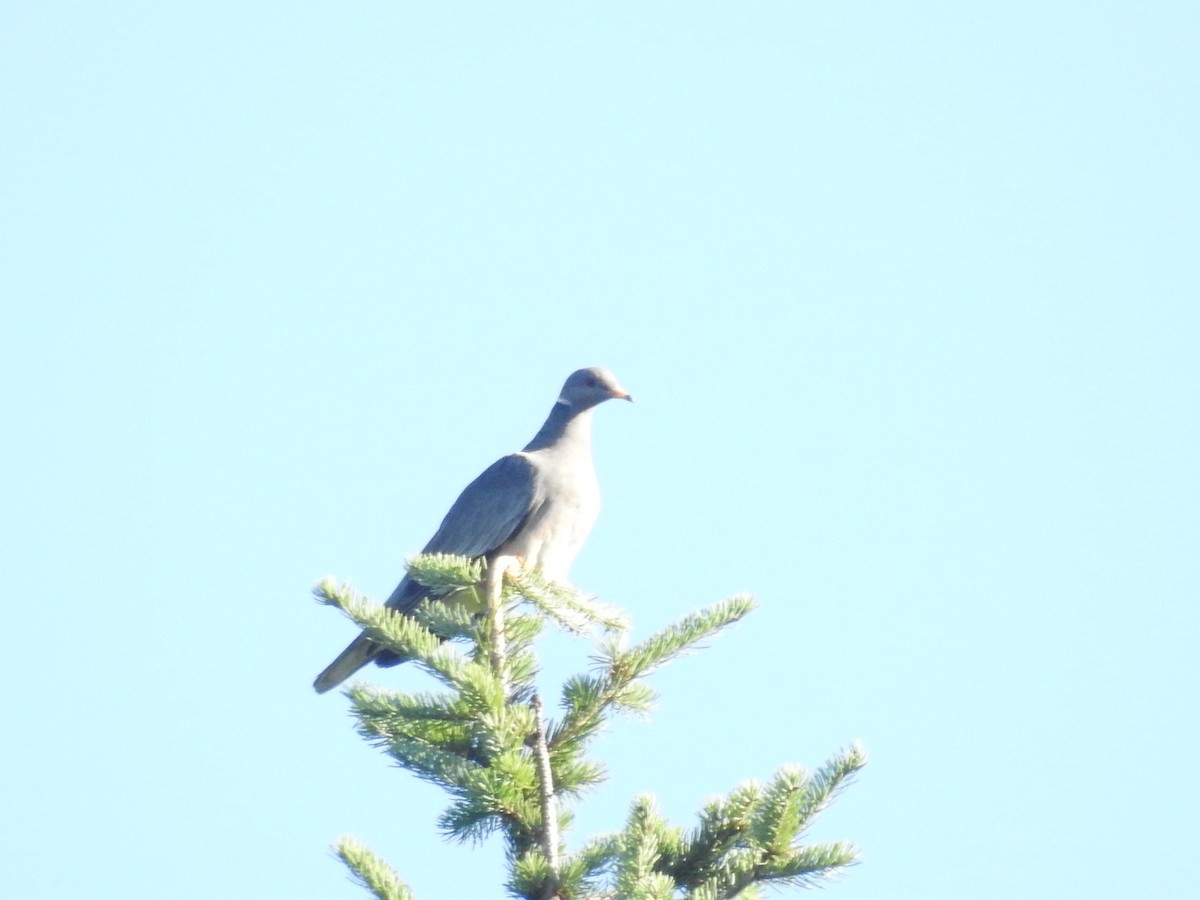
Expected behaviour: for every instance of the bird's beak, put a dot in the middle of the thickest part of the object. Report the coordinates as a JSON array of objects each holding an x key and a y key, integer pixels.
[{"x": 622, "y": 395}]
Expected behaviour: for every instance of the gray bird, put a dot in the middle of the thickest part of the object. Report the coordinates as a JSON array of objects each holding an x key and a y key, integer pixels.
[{"x": 537, "y": 505}]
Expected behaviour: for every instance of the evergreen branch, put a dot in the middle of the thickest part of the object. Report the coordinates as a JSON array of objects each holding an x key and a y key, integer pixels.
[
  {"x": 377, "y": 705},
  {"x": 408, "y": 637},
  {"x": 707, "y": 891},
  {"x": 578, "y": 875},
  {"x": 470, "y": 819},
  {"x": 805, "y": 867},
  {"x": 447, "y": 722},
  {"x": 502, "y": 794},
  {"x": 776, "y": 819},
  {"x": 522, "y": 670},
  {"x": 468, "y": 723},
  {"x": 370, "y": 871},
  {"x": 530, "y": 875},
  {"x": 638, "y": 853},
  {"x": 393, "y": 630},
  {"x": 587, "y": 698},
  {"x": 724, "y": 824},
  {"x": 749, "y": 837},
  {"x": 643, "y": 658},
  {"x": 808, "y": 866},
  {"x": 384, "y": 717},
  {"x": 452, "y": 617},
  {"x": 443, "y": 573},
  {"x": 520, "y": 630},
  {"x": 597, "y": 854},
  {"x": 445, "y": 768},
  {"x": 829, "y": 781},
  {"x": 499, "y": 794},
  {"x": 570, "y": 609},
  {"x": 329, "y": 592}
]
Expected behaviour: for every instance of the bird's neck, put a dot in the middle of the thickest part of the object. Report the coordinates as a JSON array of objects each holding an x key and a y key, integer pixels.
[{"x": 566, "y": 426}]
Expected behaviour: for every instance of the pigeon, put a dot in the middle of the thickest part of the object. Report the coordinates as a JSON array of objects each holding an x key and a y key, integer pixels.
[{"x": 537, "y": 505}]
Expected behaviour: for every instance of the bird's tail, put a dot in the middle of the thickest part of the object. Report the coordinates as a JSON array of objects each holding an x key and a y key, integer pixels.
[{"x": 360, "y": 652}]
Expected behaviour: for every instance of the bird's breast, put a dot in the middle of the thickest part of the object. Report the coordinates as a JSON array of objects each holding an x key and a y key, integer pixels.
[{"x": 559, "y": 524}]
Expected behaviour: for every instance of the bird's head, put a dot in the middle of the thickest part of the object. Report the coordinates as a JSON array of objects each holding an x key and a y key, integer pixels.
[{"x": 589, "y": 387}]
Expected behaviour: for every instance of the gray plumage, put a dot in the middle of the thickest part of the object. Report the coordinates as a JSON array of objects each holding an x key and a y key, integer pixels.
[{"x": 538, "y": 504}]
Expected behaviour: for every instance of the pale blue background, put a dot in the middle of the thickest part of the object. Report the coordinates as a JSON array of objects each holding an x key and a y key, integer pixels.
[{"x": 908, "y": 295}]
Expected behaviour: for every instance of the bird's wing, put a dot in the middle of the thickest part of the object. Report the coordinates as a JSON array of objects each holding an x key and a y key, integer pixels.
[{"x": 489, "y": 511}]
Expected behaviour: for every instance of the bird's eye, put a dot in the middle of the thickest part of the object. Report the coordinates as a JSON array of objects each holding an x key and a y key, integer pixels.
[{"x": 592, "y": 382}]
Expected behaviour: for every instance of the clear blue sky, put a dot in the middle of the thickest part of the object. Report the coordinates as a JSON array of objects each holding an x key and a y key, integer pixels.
[{"x": 910, "y": 300}]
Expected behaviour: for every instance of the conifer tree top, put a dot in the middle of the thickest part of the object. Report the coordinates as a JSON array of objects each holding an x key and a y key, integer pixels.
[{"x": 513, "y": 768}]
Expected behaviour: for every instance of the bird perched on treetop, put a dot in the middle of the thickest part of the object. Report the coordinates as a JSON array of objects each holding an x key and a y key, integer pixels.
[{"x": 537, "y": 505}]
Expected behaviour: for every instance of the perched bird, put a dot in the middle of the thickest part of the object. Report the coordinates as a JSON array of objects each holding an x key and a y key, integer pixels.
[{"x": 537, "y": 505}]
